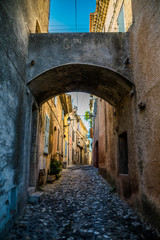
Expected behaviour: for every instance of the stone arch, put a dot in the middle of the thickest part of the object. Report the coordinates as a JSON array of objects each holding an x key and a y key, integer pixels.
[{"x": 102, "y": 82}]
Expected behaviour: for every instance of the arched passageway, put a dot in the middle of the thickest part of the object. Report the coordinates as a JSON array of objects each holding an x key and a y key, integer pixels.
[
  {"x": 100, "y": 81},
  {"x": 96, "y": 80}
]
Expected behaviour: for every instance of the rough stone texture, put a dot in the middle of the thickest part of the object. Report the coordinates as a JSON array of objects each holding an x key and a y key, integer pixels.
[
  {"x": 17, "y": 20},
  {"x": 145, "y": 48},
  {"x": 79, "y": 206},
  {"x": 141, "y": 186},
  {"x": 97, "y": 62},
  {"x": 36, "y": 197}
]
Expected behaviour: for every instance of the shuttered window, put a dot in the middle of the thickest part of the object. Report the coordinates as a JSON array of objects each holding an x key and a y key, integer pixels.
[
  {"x": 121, "y": 24},
  {"x": 65, "y": 148},
  {"x": 62, "y": 114},
  {"x": 58, "y": 140},
  {"x": 55, "y": 101},
  {"x": 46, "y": 135}
]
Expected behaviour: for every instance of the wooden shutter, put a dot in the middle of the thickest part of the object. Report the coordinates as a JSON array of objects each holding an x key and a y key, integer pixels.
[
  {"x": 46, "y": 135},
  {"x": 65, "y": 148}
]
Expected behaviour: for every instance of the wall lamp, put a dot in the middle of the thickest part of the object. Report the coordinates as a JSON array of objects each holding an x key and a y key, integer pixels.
[{"x": 69, "y": 121}]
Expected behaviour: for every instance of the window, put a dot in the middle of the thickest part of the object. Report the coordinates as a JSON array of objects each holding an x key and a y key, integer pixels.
[
  {"x": 78, "y": 126},
  {"x": 62, "y": 114},
  {"x": 123, "y": 154},
  {"x": 65, "y": 148},
  {"x": 46, "y": 136},
  {"x": 72, "y": 154},
  {"x": 13, "y": 200},
  {"x": 85, "y": 148},
  {"x": 120, "y": 20},
  {"x": 95, "y": 107},
  {"x": 73, "y": 135},
  {"x": 58, "y": 140},
  {"x": 105, "y": 114},
  {"x": 55, "y": 101}
]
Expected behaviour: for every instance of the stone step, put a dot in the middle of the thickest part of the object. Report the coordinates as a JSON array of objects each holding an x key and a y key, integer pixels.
[
  {"x": 36, "y": 197},
  {"x": 30, "y": 191}
]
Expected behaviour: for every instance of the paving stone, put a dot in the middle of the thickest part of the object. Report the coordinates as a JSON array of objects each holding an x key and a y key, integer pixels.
[{"x": 80, "y": 206}]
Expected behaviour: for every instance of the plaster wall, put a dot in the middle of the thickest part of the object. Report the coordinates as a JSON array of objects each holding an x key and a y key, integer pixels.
[
  {"x": 145, "y": 48},
  {"x": 65, "y": 140},
  {"x": 102, "y": 133},
  {"x": 17, "y": 20},
  {"x": 97, "y": 61},
  {"x": 74, "y": 142},
  {"x": 95, "y": 131},
  {"x": 105, "y": 50},
  {"x": 119, "y": 120},
  {"x": 141, "y": 186},
  {"x": 111, "y": 23},
  {"x": 54, "y": 112}
]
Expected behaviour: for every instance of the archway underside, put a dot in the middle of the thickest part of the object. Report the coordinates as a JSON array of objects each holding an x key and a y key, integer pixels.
[{"x": 99, "y": 81}]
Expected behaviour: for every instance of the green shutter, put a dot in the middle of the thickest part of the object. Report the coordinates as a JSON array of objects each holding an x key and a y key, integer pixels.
[{"x": 121, "y": 24}]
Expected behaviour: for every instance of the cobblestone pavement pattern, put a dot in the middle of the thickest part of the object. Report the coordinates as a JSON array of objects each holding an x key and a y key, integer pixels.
[{"x": 80, "y": 205}]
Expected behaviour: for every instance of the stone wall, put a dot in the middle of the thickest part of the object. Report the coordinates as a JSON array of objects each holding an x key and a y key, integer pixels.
[
  {"x": 138, "y": 116},
  {"x": 17, "y": 21},
  {"x": 145, "y": 49}
]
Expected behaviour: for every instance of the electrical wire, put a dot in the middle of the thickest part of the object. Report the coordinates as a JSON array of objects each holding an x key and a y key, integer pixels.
[{"x": 76, "y": 15}]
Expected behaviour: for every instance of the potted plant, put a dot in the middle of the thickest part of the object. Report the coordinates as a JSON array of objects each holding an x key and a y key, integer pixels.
[{"x": 55, "y": 169}]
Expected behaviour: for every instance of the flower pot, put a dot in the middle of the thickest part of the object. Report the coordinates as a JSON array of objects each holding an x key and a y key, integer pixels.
[{"x": 51, "y": 178}]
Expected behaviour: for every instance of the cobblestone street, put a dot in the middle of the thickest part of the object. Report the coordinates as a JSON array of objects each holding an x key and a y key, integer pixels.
[{"x": 80, "y": 205}]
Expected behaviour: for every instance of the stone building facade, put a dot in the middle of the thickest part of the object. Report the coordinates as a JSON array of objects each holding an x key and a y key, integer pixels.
[
  {"x": 81, "y": 141},
  {"x": 18, "y": 20},
  {"x": 128, "y": 135},
  {"x": 52, "y": 136},
  {"x": 136, "y": 128},
  {"x": 22, "y": 120}
]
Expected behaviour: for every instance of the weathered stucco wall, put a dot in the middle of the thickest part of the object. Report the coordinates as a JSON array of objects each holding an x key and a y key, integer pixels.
[
  {"x": 141, "y": 186},
  {"x": 102, "y": 132},
  {"x": 145, "y": 48},
  {"x": 111, "y": 23},
  {"x": 17, "y": 20},
  {"x": 97, "y": 61},
  {"x": 138, "y": 114},
  {"x": 114, "y": 123},
  {"x": 54, "y": 112},
  {"x": 104, "y": 50}
]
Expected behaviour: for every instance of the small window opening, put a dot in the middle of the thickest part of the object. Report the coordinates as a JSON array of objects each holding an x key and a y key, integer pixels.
[
  {"x": 123, "y": 154},
  {"x": 38, "y": 29},
  {"x": 13, "y": 201},
  {"x": 120, "y": 20}
]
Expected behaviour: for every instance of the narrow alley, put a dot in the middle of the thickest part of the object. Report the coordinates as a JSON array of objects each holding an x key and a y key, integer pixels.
[{"x": 80, "y": 205}]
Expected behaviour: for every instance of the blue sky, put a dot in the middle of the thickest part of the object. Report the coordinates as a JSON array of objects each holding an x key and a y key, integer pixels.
[
  {"x": 82, "y": 104},
  {"x": 62, "y": 15}
]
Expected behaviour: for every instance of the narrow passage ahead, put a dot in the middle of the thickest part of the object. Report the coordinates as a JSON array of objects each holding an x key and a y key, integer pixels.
[{"x": 80, "y": 205}]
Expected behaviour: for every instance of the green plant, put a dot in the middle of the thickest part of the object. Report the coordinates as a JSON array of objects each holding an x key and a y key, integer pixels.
[
  {"x": 40, "y": 188},
  {"x": 113, "y": 189},
  {"x": 88, "y": 117},
  {"x": 55, "y": 167}
]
